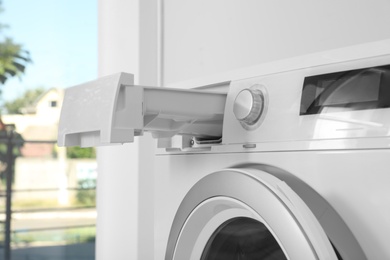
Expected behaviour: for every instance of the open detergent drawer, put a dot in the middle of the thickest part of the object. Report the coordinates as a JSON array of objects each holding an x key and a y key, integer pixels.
[{"x": 112, "y": 110}]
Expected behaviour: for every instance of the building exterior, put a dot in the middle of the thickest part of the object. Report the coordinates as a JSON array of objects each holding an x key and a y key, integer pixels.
[{"x": 38, "y": 122}]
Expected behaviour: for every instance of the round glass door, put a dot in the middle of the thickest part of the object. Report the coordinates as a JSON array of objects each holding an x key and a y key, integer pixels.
[
  {"x": 242, "y": 239},
  {"x": 244, "y": 214}
]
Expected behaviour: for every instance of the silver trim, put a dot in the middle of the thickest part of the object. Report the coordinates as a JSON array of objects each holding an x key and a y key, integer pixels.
[{"x": 230, "y": 183}]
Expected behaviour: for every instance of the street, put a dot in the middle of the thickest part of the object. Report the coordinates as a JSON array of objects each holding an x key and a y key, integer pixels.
[{"x": 54, "y": 219}]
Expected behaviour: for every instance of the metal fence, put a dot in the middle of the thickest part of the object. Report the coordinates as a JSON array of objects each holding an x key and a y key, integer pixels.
[{"x": 15, "y": 241}]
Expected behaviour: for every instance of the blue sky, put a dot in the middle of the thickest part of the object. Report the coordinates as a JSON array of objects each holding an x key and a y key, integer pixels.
[{"x": 61, "y": 36}]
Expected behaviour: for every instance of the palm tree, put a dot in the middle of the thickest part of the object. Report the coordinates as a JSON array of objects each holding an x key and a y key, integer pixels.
[{"x": 13, "y": 59}]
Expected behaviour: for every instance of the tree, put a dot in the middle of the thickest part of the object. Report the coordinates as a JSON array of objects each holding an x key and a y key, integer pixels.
[
  {"x": 13, "y": 58},
  {"x": 79, "y": 153},
  {"x": 27, "y": 99}
]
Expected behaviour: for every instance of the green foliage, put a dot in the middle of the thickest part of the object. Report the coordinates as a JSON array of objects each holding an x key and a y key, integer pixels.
[
  {"x": 13, "y": 58},
  {"x": 27, "y": 99},
  {"x": 80, "y": 153},
  {"x": 54, "y": 237},
  {"x": 86, "y": 195},
  {"x": 17, "y": 141}
]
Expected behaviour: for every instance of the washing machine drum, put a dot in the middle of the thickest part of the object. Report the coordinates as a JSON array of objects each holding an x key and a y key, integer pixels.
[
  {"x": 242, "y": 238},
  {"x": 245, "y": 214}
]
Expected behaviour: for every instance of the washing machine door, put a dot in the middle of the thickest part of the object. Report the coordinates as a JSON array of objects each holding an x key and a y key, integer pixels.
[{"x": 245, "y": 214}]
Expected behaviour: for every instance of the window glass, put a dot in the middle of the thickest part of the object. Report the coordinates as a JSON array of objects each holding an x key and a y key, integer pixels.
[
  {"x": 47, "y": 193},
  {"x": 242, "y": 238},
  {"x": 367, "y": 88},
  {"x": 53, "y": 103}
]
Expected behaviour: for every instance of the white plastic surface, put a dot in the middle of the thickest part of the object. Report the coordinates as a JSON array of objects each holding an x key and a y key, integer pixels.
[
  {"x": 111, "y": 110},
  {"x": 220, "y": 197},
  {"x": 283, "y": 123},
  {"x": 87, "y": 116}
]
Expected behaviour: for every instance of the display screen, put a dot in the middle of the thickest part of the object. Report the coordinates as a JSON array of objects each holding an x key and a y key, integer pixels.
[{"x": 367, "y": 88}]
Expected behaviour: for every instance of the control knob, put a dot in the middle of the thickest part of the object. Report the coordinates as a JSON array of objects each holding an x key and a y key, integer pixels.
[{"x": 248, "y": 106}]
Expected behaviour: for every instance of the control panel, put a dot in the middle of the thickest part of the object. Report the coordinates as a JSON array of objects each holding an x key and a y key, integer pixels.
[
  {"x": 304, "y": 103},
  {"x": 347, "y": 101}
]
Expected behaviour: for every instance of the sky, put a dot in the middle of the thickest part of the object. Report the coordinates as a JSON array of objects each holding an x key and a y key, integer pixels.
[{"x": 61, "y": 36}]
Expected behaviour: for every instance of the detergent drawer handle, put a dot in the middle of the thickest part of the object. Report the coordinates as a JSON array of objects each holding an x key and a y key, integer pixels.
[{"x": 112, "y": 110}]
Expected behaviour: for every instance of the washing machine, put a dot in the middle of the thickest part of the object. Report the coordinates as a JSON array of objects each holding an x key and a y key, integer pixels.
[{"x": 290, "y": 162}]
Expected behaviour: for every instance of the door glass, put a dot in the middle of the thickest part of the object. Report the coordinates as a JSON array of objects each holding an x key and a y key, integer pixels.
[
  {"x": 242, "y": 239},
  {"x": 367, "y": 88}
]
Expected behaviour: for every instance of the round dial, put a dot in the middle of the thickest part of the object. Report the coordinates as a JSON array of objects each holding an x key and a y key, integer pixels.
[{"x": 248, "y": 106}]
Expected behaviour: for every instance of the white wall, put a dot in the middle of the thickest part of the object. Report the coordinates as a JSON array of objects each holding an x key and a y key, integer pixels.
[
  {"x": 127, "y": 42},
  {"x": 149, "y": 76},
  {"x": 206, "y": 37},
  {"x": 117, "y": 185}
]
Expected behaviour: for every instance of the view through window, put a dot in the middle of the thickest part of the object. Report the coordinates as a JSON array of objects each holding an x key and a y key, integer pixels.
[{"x": 47, "y": 193}]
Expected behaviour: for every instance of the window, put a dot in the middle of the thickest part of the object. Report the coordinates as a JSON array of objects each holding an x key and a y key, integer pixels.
[
  {"x": 53, "y": 103},
  {"x": 360, "y": 89},
  {"x": 52, "y": 213}
]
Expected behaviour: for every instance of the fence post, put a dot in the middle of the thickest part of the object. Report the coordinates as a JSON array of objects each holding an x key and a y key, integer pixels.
[{"x": 8, "y": 207}]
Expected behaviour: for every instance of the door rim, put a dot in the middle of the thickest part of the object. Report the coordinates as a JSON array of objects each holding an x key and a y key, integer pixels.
[
  {"x": 213, "y": 212},
  {"x": 280, "y": 208}
]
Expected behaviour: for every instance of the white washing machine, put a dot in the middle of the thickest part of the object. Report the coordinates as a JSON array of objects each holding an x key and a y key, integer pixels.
[{"x": 289, "y": 163}]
